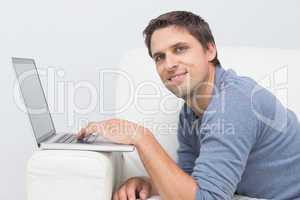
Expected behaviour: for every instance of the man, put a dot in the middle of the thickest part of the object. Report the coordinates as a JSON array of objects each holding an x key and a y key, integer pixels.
[{"x": 234, "y": 136}]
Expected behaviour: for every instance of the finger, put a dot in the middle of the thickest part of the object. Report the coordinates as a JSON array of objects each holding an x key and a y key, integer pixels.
[
  {"x": 81, "y": 133},
  {"x": 145, "y": 191},
  {"x": 91, "y": 128},
  {"x": 122, "y": 193},
  {"x": 115, "y": 196},
  {"x": 131, "y": 190}
]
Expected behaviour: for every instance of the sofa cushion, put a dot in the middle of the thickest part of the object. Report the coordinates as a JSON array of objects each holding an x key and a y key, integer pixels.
[{"x": 76, "y": 175}]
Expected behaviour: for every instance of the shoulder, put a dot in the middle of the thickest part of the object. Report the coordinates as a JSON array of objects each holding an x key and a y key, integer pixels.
[
  {"x": 241, "y": 94},
  {"x": 232, "y": 102},
  {"x": 232, "y": 93}
]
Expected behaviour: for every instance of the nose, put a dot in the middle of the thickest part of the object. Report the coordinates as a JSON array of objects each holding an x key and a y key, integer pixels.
[{"x": 171, "y": 62}]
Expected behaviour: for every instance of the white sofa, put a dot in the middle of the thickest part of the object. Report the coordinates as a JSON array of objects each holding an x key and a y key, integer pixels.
[
  {"x": 61, "y": 174},
  {"x": 141, "y": 97}
]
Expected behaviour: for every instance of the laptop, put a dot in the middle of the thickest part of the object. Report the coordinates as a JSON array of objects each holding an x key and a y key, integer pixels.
[{"x": 40, "y": 118}]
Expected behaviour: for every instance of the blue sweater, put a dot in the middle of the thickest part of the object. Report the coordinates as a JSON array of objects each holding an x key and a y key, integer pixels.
[{"x": 246, "y": 142}]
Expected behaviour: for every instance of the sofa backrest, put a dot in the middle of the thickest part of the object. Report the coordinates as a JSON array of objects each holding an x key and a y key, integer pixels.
[{"x": 142, "y": 98}]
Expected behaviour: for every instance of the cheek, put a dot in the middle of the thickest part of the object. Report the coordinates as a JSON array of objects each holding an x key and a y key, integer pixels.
[
  {"x": 160, "y": 71},
  {"x": 192, "y": 59},
  {"x": 198, "y": 70}
]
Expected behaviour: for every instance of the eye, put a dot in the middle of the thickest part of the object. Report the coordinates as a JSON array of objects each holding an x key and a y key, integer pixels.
[
  {"x": 158, "y": 58},
  {"x": 180, "y": 49}
]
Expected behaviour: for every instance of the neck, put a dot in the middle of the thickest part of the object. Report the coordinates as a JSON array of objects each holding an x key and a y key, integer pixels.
[{"x": 201, "y": 97}]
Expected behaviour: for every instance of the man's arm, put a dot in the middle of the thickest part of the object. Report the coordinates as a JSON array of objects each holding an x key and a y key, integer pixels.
[
  {"x": 224, "y": 151},
  {"x": 171, "y": 182}
]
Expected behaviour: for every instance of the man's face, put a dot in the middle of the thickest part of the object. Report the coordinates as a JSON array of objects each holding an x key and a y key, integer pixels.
[{"x": 181, "y": 61}]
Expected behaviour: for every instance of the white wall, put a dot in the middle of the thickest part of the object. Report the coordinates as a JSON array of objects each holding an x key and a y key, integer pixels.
[{"x": 78, "y": 39}]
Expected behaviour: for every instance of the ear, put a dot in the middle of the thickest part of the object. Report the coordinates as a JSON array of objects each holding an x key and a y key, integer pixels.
[{"x": 211, "y": 51}]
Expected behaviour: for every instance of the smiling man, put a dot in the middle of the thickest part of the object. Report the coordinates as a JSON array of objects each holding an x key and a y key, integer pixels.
[{"x": 234, "y": 136}]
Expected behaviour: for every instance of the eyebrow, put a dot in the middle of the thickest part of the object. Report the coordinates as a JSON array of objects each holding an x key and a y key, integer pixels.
[{"x": 172, "y": 46}]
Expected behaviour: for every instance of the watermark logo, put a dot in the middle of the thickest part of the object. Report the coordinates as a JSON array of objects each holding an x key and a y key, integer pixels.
[{"x": 63, "y": 96}]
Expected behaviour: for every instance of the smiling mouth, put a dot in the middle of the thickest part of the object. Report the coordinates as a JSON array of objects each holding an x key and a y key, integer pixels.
[{"x": 177, "y": 79}]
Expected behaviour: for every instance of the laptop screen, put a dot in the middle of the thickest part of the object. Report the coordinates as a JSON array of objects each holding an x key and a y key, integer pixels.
[{"x": 34, "y": 98}]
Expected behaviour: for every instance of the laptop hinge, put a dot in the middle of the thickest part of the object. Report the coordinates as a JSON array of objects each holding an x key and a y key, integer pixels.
[{"x": 47, "y": 138}]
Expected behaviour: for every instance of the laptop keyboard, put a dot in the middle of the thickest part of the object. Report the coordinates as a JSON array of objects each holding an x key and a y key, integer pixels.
[{"x": 71, "y": 138}]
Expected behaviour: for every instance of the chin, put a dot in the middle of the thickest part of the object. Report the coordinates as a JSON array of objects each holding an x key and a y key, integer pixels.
[{"x": 179, "y": 93}]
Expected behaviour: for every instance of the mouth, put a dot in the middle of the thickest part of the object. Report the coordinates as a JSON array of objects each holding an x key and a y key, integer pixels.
[{"x": 177, "y": 78}]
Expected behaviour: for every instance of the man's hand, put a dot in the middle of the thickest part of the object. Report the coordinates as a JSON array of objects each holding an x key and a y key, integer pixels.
[
  {"x": 116, "y": 130},
  {"x": 133, "y": 188}
]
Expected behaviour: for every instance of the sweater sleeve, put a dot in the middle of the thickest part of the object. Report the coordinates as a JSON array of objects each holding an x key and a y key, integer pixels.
[
  {"x": 228, "y": 133},
  {"x": 186, "y": 151}
]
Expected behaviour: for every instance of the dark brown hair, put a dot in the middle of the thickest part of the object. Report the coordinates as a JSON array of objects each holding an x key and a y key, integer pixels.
[{"x": 194, "y": 24}]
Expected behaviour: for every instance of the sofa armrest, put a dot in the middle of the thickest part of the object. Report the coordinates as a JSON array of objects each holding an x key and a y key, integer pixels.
[{"x": 76, "y": 175}]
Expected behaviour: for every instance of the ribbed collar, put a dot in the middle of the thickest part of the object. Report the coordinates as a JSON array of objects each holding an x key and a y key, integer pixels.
[{"x": 219, "y": 75}]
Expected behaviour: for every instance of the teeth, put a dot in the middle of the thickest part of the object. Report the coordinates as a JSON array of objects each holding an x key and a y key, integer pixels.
[{"x": 174, "y": 77}]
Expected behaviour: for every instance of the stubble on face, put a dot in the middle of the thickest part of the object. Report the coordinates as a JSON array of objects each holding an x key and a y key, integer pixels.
[{"x": 180, "y": 52}]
